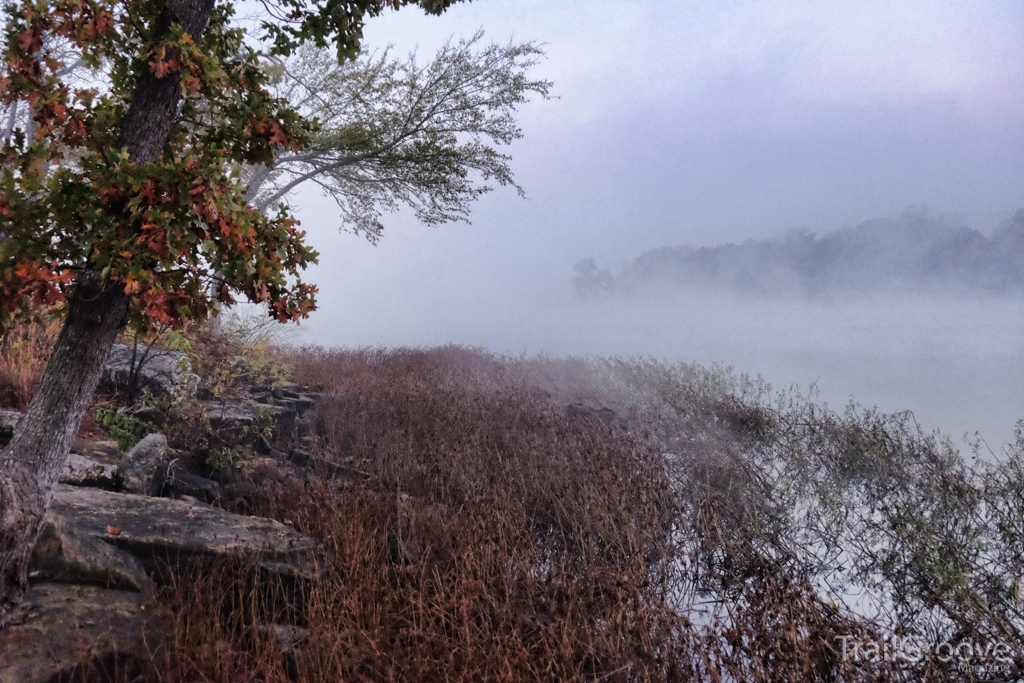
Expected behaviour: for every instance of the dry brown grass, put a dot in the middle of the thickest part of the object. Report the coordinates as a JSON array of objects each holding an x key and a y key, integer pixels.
[
  {"x": 567, "y": 519},
  {"x": 24, "y": 351},
  {"x": 486, "y": 537},
  {"x": 539, "y": 519},
  {"x": 487, "y": 533}
]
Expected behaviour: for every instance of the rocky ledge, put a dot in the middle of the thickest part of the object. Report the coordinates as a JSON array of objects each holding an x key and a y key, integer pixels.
[
  {"x": 119, "y": 521},
  {"x": 158, "y": 532},
  {"x": 66, "y": 632}
]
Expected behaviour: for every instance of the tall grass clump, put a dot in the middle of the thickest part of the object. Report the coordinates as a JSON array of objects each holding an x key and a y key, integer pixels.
[
  {"x": 24, "y": 351},
  {"x": 483, "y": 534},
  {"x": 563, "y": 519}
]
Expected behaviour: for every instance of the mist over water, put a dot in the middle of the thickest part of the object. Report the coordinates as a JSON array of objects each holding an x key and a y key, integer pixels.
[{"x": 954, "y": 360}]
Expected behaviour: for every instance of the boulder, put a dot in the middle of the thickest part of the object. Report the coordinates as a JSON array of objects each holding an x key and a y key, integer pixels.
[
  {"x": 293, "y": 399},
  {"x": 159, "y": 531},
  {"x": 304, "y": 403},
  {"x": 262, "y": 446},
  {"x": 81, "y": 471},
  {"x": 259, "y": 396},
  {"x": 180, "y": 484},
  {"x": 245, "y": 420},
  {"x": 63, "y": 555},
  {"x": 105, "y": 451},
  {"x": 62, "y": 632},
  {"x": 232, "y": 413},
  {"x": 163, "y": 372},
  {"x": 143, "y": 469}
]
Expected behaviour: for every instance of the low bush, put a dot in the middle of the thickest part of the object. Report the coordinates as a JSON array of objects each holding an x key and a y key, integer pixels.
[
  {"x": 237, "y": 351},
  {"x": 123, "y": 427}
]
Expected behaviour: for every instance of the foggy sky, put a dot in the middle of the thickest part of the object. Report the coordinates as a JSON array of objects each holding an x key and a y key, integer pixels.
[{"x": 701, "y": 123}]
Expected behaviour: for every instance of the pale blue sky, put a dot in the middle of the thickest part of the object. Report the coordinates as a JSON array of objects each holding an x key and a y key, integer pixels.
[{"x": 704, "y": 121}]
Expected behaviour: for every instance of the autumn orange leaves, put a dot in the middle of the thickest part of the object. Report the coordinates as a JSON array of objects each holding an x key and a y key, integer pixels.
[{"x": 172, "y": 230}]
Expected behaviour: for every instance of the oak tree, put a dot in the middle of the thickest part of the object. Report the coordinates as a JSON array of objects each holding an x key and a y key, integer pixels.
[{"x": 123, "y": 194}]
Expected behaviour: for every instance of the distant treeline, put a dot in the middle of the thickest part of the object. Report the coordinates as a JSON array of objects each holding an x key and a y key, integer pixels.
[{"x": 916, "y": 251}]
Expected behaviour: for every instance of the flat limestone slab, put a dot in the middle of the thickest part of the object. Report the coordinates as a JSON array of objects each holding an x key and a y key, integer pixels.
[
  {"x": 59, "y": 628},
  {"x": 62, "y": 555},
  {"x": 81, "y": 471},
  {"x": 164, "y": 530},
  {"x": 104, "y": 451}
]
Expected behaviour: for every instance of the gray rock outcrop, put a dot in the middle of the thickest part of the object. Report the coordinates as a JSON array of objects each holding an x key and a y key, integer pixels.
[
  {"x": 246, "y": 420},
  {"x": 162, "y": 372},
  {"x": 161, "y": 530},
  {"x": 88, "y": 611},
  {"x": 62, "y": 632},
  {"x": 104, "y": 451},
  {"x": 181, "y": 484},
  {"x": 109, "y": 537},
  {"x": 81, "y": 471},
  {"x": 142, "y": 470},
  {"x": 64, "y": 555}
]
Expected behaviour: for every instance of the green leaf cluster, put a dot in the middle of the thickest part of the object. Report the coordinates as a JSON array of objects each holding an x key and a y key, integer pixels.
[
  {"x": 126, "y": 429},
  {"x": 294, "y": 22}
]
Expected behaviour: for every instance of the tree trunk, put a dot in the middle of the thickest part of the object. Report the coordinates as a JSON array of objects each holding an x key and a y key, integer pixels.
[{"x": 30, "y": 465}]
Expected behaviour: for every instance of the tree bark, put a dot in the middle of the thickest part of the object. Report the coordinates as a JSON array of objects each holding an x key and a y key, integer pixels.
[{"x": 30, "y": 465}]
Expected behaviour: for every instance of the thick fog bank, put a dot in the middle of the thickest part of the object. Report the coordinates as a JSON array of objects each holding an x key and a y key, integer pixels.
[
  {"x": 955, "y": 361},
  {"x": 917, "y": 251}
]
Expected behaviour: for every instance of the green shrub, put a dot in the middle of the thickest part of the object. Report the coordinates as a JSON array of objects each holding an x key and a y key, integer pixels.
[
  {"x": 219, "y": 458},
  {"x": 126, "y": 429}
]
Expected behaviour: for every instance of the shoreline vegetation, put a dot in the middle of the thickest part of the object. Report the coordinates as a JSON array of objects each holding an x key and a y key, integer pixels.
[{"x": 489, "y": 518}]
